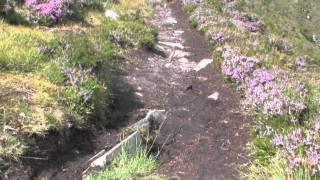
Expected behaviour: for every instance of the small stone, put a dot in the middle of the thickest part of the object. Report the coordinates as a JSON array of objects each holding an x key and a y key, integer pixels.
[
  {"x": 160, "y": 50},
  {"x": 181, "y": 54},
  {"x": 214, "y": 96},
  {"x": 112, "y": 15},
  {"x": 173, "y": 45},
  {"x": 178, "y": 32},
  {"x": 202, "y": 64},
  {"x": 183, "y": 60},
  {"x": 167, "y": 65},
  {"x": 202, "y": 78},
  {"x": 171, "y": 21},
  {"x": 139, "y": 94}
]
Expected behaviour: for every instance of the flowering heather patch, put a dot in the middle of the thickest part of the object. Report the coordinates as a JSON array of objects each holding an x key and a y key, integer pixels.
[
  {"x": 264, "y": 91},
  {"x": 301, "y": 148},
  {"x": 275, "y": 93},
  {"x": 272, "y": 91},
  {"x": 237, "y": 66},
  {"x": 51, "y": 9},
  {"x": 244, "y": 21},
  {"x": 217, "y": 36}
]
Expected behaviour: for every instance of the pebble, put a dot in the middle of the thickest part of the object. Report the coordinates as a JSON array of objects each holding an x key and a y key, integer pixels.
[
  {"x": 202, "y": 64},
  {"x": 214, "y": 96}
]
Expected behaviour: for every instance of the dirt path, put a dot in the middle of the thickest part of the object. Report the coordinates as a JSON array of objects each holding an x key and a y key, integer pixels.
[{"x": 204, "y": 138}]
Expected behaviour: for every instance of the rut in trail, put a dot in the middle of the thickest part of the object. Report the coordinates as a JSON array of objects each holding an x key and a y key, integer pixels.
[{"x": 204, "y": 138}]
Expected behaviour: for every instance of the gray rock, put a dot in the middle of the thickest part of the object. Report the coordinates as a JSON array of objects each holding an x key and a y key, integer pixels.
[
  {"x": 152, "y": 115},
  {"x": 160, "y": 50}
]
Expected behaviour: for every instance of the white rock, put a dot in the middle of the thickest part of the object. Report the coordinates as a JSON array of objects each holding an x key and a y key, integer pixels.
[
  {"x": 170, "y": 21},
  {"x": 167, "y": 65},
  {"x": 178, "y": 32},
  {"x": 214, "y": 96},
  {"x": 139, "y": 94},
  {"x": 181, "y": 54},
  {"x": 173, "y": 45},
  {"x": 184, "y": 60},
  {"x": 202, "y": 64},
  {"x": 112, "y": 15}
]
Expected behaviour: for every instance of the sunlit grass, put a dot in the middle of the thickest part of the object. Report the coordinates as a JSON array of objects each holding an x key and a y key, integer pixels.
[
  {"x": 19, "y": 48},
  {"x": 129, "y": 167},
  {"x": 29, "y": 105},
  {"x": 37, "y": 65}
]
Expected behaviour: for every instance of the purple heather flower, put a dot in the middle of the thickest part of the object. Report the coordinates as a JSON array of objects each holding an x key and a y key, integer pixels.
[
  {"x": 31, "y": 2},
  {"x": 278, "y": 140},
  {"x": 308, "y": 140},
  {"x": 295, "y": 163},
  {"x": 244, "y": 21},
  {"x": 51, "y": 9},
  {"x": 313, "y": 158}
]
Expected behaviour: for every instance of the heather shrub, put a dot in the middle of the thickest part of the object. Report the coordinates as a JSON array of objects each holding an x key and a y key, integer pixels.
[{"x": 271, "y": 59}]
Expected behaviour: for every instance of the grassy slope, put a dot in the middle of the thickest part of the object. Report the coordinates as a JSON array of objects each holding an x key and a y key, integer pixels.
[
  {"x": 55, "y": 77},
  {"x": 288, "y": 33}
]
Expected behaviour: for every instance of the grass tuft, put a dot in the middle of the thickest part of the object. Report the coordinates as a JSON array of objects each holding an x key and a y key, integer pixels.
[{"x": 129, "y": 167}]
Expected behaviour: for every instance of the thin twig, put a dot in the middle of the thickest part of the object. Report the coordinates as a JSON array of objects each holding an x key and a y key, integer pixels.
[{"x": 35, "y": 158}]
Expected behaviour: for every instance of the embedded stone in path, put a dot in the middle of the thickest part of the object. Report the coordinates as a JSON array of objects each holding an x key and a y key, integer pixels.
[
  {"x": 160, "y": 50},
  {"x": 173, "y": 45},
  {"x": 178, "y": 32},
  {"x": 202, "y": 64},
  {"x": 181, "y": 54},
  {"x": 170, "y": 21},
  {"x": 214, "y": 96},
  {"x": 152, "y": 115}
]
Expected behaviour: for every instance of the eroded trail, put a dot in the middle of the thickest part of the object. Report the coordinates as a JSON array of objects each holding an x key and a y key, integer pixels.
[
  {"x": 204, "y": 135},
  {"x": 204, "y": 138}
]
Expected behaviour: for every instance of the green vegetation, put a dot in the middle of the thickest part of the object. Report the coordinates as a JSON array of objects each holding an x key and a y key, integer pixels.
[
  {"x": 129, "y": 167},
  {"x": 294, "y": 22},
  {"x": 57, "y": 77},
  {"x": 283, "y": 37}
]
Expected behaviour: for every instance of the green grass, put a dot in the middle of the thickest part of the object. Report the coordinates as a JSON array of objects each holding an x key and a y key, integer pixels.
[
  {"x": 130, "y": 167},
  {"x": 289, "y": 20},
  {"x": 277, "y": 170},
  {"x": 53, "y": 76}
]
